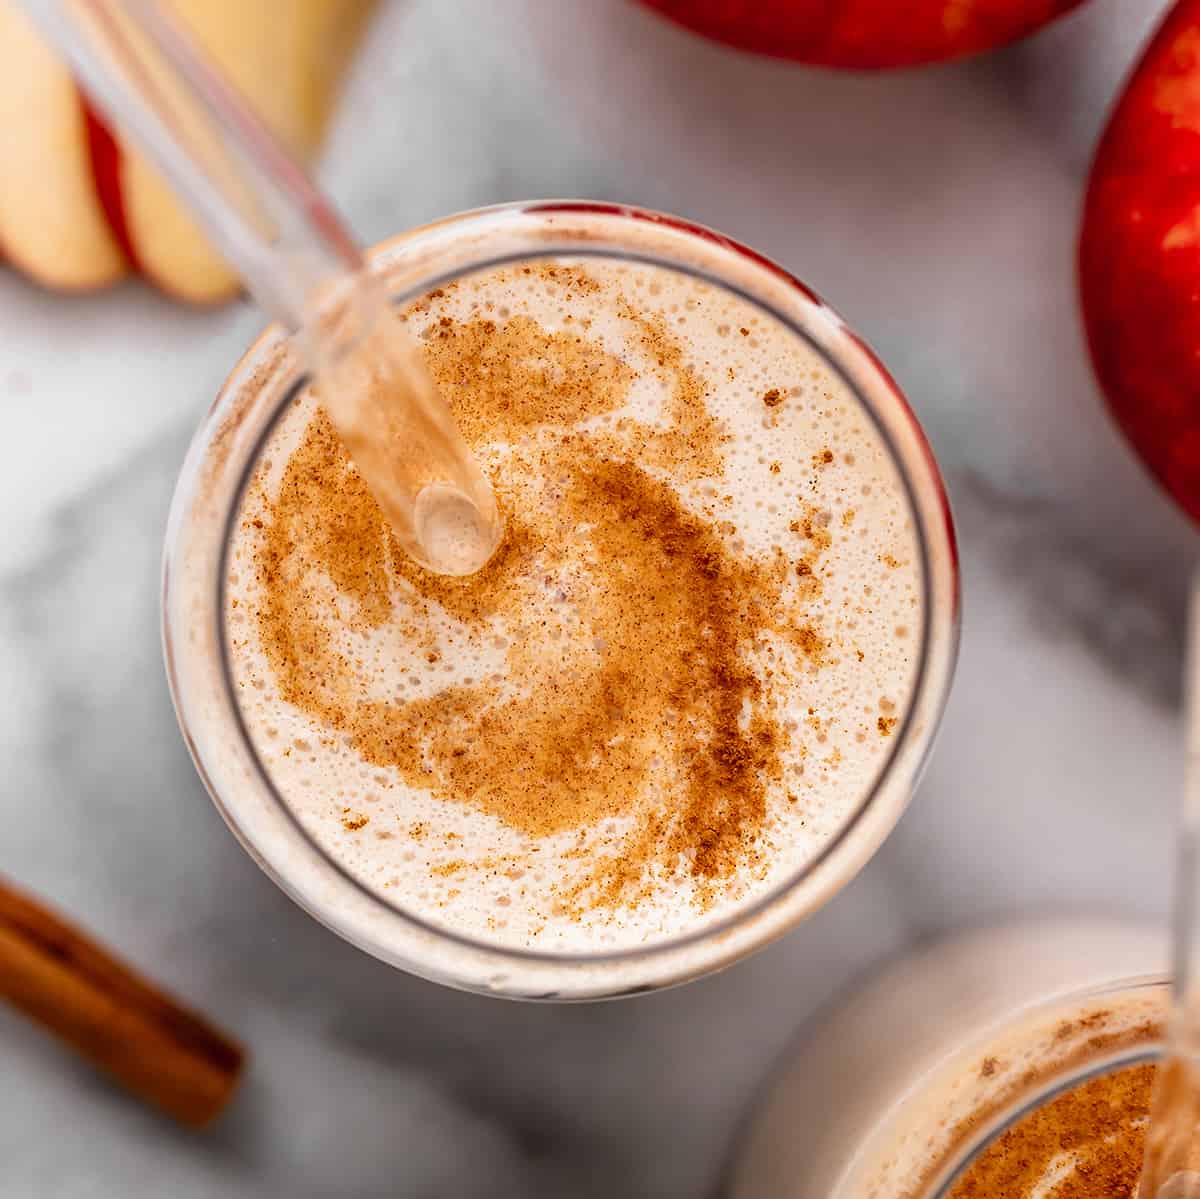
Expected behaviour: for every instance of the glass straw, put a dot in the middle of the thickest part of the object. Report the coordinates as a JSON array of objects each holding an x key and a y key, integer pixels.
[
  {"x": 1172, "y": 1164},
  {"x": 296, "y": 258}
]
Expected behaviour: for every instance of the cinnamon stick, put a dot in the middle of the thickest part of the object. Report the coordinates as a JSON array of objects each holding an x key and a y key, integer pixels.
[{"x": 165, "y": 1054}]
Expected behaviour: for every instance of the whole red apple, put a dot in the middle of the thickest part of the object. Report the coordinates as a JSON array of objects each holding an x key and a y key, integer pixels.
[
  {"x": 1139, "y": 257},
  {"x": 864, "y": 34}
]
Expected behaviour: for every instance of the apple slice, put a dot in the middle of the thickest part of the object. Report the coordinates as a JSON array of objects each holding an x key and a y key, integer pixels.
[
  {"x": 287, "y": 62},
  {"x": 52, "y": 225},
  {"x": 863, "y": 34},
  {"x": 1139, "y": 257}
]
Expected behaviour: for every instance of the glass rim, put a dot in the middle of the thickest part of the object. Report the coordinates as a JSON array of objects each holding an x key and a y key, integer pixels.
[
  {"x": 608, "y": 247},
  {"x": 1057, "y": 1082}
]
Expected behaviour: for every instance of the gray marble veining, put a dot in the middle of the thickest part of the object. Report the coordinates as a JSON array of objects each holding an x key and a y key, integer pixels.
[{"x": 937, "y": 210}]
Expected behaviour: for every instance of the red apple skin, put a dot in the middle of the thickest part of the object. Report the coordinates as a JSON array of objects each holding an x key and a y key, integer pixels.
[
  {"x": 1139, "y": 258},
  {"x": 864, "y": 35},
  {"x": 105, "y": 156}
]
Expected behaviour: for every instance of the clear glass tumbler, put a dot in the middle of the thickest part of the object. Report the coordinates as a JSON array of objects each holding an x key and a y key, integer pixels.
[{"x": 224, "y": 453}]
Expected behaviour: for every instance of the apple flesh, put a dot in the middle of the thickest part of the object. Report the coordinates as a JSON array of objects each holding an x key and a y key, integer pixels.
[
  {"x": 79, "y": 208},
  {"x": 864, "y": 35},
  {"x": 288, "y": 67},
  {"x": 52, "y": 224},
  {"x": 1139, "y": 258}
]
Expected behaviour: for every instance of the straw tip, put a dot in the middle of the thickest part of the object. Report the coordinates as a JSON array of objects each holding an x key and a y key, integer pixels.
[{"x": 457, "y": 537}]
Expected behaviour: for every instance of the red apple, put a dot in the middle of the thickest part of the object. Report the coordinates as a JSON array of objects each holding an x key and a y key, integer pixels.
[
  {"x": 1139, "y": 257},
  {"x": 866, "y": 35}
]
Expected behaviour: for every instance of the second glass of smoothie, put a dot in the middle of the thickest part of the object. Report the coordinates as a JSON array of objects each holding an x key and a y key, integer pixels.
[{"x": 1005, "y": 1063}]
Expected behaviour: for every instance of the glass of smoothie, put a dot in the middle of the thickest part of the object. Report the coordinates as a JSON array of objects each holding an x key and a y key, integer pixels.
[
  {"x": 1012, "y": 1062},
  {"x": 689, "y": 695}
]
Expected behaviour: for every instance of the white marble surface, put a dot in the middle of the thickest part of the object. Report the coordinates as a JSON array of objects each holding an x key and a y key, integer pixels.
[{"x": 937, "y": 210}]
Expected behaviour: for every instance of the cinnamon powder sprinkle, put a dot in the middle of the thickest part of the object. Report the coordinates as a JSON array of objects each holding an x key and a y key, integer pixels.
[
  {"x": 636, "y": 697},
  {"x": 1097, "y": 1126}
]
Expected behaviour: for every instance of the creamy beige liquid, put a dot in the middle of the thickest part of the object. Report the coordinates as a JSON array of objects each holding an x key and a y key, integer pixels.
[{"x": 681, "y": 672}]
